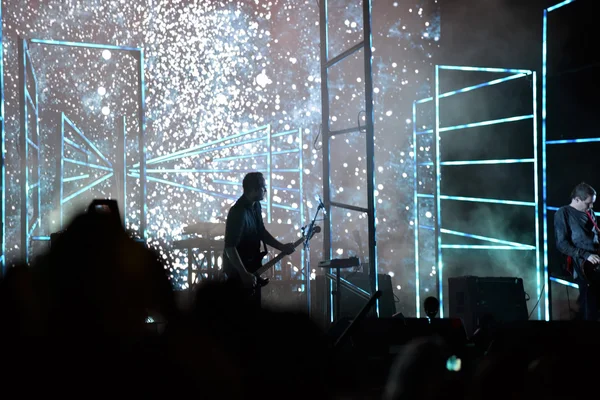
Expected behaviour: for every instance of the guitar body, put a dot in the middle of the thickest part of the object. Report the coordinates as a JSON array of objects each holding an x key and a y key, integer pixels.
[
  {"x": 256, "y": 266},
  {"x": 591, "y": 272}
]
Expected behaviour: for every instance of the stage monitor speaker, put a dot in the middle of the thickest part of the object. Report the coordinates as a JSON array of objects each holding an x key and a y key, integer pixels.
[{"x": 474, "y": 298}]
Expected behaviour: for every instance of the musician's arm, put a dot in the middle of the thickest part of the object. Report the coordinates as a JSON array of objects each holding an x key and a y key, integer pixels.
[
  {"x": 270, "y": 240},
  {"x": 563, "y": 240},
  {"x": 235, "y": 260}
]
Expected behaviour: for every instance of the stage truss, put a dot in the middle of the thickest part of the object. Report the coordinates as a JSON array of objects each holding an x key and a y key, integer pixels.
[{"x": 426, "y": 279}]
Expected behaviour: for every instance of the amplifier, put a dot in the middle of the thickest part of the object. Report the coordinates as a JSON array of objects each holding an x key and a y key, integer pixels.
[{"x": 472, "y": 298}]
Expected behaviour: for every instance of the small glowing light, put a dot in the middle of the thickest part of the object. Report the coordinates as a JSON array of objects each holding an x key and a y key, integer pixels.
[
  {"x": 428, "y": 215},
  {"x": 105, "y": 110},
  {"x": 454, "y": 364},
  {"x": 101, "y": 91},
  {"x": 106, "y": 54}
]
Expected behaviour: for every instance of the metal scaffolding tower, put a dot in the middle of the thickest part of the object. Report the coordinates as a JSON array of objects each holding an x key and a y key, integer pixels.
[{"x": 327, "y": 63}]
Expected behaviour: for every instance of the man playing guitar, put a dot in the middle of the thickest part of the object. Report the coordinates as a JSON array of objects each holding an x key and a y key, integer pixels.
[
  {"x": 244, "y": 231},
  {"x": 576, "y": 233}
]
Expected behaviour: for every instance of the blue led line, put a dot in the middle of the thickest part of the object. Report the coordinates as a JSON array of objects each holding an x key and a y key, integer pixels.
[
  {"x": 487, "y": 239},
  {"x": 269, "y": 174},
  {"x": 253, "y": 155},
  {"x": 76, "y": 178},
  {"x": 87, "y": 187},
  {"x": 482, "y": 162},
  {"x": 2, "y": 156},
  {"x": 559, "y": 5},
  {"x": 89, "y": 143},
  {"x": 425, "y": 196},
  {"x": 438, "y": 187},
  {"x": 478, "y": 124},
  {"x": 483, "y": 69},
  {"x": 569, "y": 141},
  {"x": 544, "y": 143},
  {"x": 303, "y": 256},
  {"x": 538, "y": 266},
  {"x": 486, "y": 162},
  {"x": 483, "y": 247},
  {"x": 193, "y": 171},
  {"x": 82, "y": 44},
  {"x": 564, "y": 282},
  {"x": 416, "y": 213},
  {"x": 425, "y": 132},
  {"x": 485, "y": 200},
  {"x": 77, "y": 147},
  {"x": 86, "y": 164},
  {"x": 479, "y": 86},
  {"x": 486, "y": 123},
  {"x": 482, "y": 85},
  {"x": 203, "y": 147}
]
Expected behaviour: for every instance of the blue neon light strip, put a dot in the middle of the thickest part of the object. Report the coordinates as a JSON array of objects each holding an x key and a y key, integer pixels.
[
  {"x": 416, "y": 214},
  {"x": 2, "y": 157},
  {"x": 425, "y": 196},
  {"x": 193, "y": 171},
  {"x": 192, "y": 150},
  {"x": 478, "y": 124},
  {"x": 487, "y": 162},
  {"x": 485, "y": 200},
  {"x": 483, "y": 247},
  {"x": 87, "y": 187},
  {"x": 559, "y": 5},
  {"x": 89, "y": 143},
  {"x": 544, "y": 143},
  {"x": 536, "y": 197},
  {"x": 41, "y": 238},
  {"x": 438, "y": 187},
  {"x": 479, "y": 86},
  {"x": 487, "y": 239},
  {"x": 486, "y": 123},
  {"x": 269, "y": 175},
  {"x": 231, "y": 183},
  {"x": 86, "y": 164},
  {"x": 82, "y": 44},
  {"x": 288, "y": 189},
  {"x": 482, "y": 162},
  {"x": 569, "y": 141},
  {"x": 76, "y": 178},
  {"x": 76, "y": 146},
  {"x": 482, "y": 85},
  {"x": 483, "y": 69},
  {"x": 32, "y": 228},
  {"x": 253, "y": 155},
  {"x": 564, "y": 282}
]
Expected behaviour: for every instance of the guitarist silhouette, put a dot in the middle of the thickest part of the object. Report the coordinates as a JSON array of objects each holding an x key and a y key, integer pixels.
[{"x": 244, "y": 232}]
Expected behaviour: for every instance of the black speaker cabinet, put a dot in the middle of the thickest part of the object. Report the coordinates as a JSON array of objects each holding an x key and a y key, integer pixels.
[{"x": 473, "y": 298}]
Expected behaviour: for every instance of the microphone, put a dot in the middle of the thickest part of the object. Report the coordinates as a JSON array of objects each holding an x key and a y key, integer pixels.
[{"x": 318, "y": 198}]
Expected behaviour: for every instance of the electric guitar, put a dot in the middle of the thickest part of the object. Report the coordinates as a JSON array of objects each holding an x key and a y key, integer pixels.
[{"x": 257, "y": 268}]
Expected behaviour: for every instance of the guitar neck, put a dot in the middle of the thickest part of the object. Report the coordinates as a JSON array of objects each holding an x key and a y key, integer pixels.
[{"x": 275, "y": 260}]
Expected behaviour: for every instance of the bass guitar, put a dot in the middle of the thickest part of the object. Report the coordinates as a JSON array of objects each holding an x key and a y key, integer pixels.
[{"x": 257, "y": 268}]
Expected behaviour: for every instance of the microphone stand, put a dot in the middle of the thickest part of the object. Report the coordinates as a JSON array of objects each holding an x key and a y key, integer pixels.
[{"x": 308, "y": 233}]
